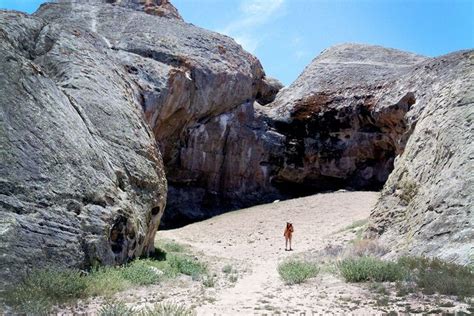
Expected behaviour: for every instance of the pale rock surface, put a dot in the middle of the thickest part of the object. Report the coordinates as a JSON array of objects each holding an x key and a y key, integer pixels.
[
  {"x": 81, "y": 179},
  {"x": 426, "y": 206}
]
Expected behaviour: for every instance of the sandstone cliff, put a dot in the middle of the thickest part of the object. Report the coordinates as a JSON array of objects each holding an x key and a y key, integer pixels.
[
  {"x": 358, "y": 112},
  {"x": 91, "y": 91},
  {"x": 339, "y": 133},
  {"x": 353, "y": 112}
]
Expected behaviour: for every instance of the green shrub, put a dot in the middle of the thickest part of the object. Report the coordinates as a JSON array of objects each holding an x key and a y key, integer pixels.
[
  {"x": 166, "y": 309},
  {"x": 37, "y": 292},
  {"x": 162, "y": 309},
  {"x": 297, "y": 271},
  {"x": 172, "y": 246},
  {"x": 436, "y": 276},
  {"x": 209, "y": 280},
  {"x": 40, "y": 290},
  {"x": 28, "y": 301},
  {"x": 364, "y": 269},
  {"x": 140, "y": 273},
  {"x": 105, "y": 281},
  {"x": 187, "y": 265},
  {"x": 116, "y": 309}
]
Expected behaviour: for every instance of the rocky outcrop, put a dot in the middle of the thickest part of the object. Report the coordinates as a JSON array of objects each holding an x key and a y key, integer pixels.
[
  {"x": 358, "y": 112},
  {"x": 84, "y": 183},
  {"x": 427, "y": 203},
  {"x": 81, "y": 179},
  {"x": 352, "y": 113},
  {"x": 328, "y": 130},
  {"x": 186, "y": 77},
  {"x": 93, "y": 90},
  {"x": 339, "y": 133}
]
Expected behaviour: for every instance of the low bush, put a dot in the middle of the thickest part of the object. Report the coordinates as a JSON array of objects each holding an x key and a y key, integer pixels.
[
  {"x": 139, "y": 272},
  {"x": 365, "y": 269},
  {"x": 116, "y": 309},
  {"x": 437, "y": 276},
  {"x": 162, "y": 309},
  {"x": 209, "y": 280},
  {"x": 187, "y": 265},
  {"x": 227, "y": 269},
  {"x": 172, "y": 246},
  {"x": 168, "y": 309},
  {"x": 40, "y": 290},
  {"x": 297, "y": 271},
  {"x": 105, "y": 281},
  {"x": 413, "y": 274}
]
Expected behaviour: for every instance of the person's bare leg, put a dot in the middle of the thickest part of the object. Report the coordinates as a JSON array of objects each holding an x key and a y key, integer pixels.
[{"x": 290, "y": 245}]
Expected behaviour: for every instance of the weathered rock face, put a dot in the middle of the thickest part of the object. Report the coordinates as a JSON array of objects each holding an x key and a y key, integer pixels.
[
  {"x": 338, "y": 133},
  {"x": 223, "y": 166},
  {"x": 186, "y": 76},
  {"x": 92, "y": 88},
  {"x": 355, "y": 109},
  {"x": 342, "y": 124},
  {"x": 82, "y": 181},
  {"x": 100, "y": 69},
  {"x": 426, "y": 207}
]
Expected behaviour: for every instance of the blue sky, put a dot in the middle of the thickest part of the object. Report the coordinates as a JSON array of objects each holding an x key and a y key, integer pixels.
[{"x": 287, "y": 34}]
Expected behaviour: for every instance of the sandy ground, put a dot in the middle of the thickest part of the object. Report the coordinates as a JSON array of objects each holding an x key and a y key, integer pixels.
[
  {"x": 254, "y": 236},
  {"x": 252, "y": 242}
]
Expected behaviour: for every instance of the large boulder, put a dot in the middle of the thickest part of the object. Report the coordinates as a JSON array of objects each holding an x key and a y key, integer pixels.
[
  {"x": 81, "y": 179},
  {"x": 360, "y": 113},
  {"x": 119, "y": 79},
  {"x": 426, "y": 206},
  {"x": 186, "y": 76},
  {"x": 338, "y": 132},
  {"x": 356, "y": 115}
]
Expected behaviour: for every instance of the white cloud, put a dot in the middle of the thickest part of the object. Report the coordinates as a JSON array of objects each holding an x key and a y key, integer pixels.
[{"x": 253, "y": 13}]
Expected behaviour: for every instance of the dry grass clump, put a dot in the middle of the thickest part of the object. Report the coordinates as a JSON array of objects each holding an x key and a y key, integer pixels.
[
  {"x": 412, "y": 274},
  {"x": 41, "y": 289},
  {"x": 365, "y": 269}
]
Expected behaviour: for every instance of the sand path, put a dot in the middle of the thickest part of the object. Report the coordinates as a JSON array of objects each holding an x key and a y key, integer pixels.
[
  {"x": 254, "y": 237},
  {"x": 251, "y": 241}
]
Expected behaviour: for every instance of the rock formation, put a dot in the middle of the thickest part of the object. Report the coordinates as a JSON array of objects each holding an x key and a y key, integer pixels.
[
  {"x": 342, "y": 124},
  {"x": 91, "y": 92},
  {"x": 338, "y": 132},
  {"x": 186, "y": 76},
  {"x": 82, "y": 181},
  {"x": 355, "y": 110},
  {"x": 426, "y": 206},
  {"x": 91, "y": 89}
]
